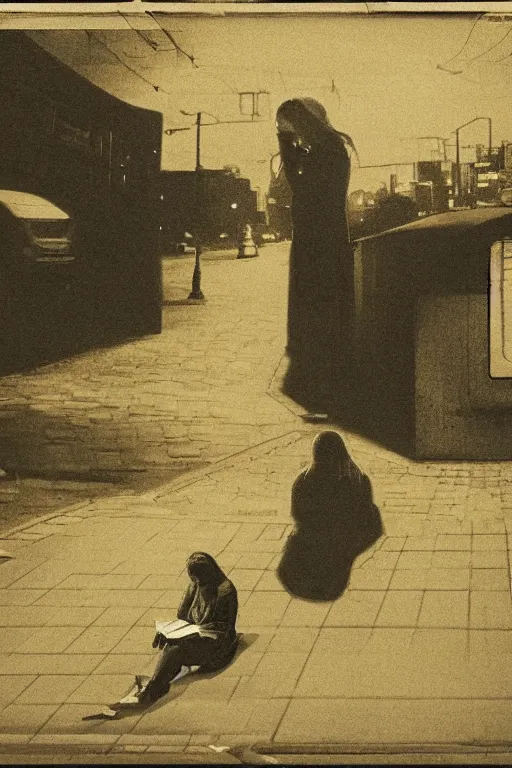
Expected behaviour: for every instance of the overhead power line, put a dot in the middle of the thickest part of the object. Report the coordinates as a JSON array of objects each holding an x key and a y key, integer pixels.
[
  {"x": 491, "y": 48},
  {"x": 466, "y": 41},
  {"x": 173, "y": 41}
]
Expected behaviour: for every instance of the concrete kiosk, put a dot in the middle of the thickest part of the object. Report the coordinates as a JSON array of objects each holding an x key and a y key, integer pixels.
[{"x": 432, "y": 339}]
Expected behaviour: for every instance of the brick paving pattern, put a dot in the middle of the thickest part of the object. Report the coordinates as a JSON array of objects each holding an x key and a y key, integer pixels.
[{"x": 417, "y": 648}]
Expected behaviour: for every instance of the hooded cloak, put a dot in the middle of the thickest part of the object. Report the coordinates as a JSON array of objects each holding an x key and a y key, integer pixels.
[{"x": 321, "y": 295}]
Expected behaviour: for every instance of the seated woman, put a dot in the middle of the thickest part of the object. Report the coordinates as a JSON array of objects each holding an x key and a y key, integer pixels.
[{"x": 210, "y": 602}]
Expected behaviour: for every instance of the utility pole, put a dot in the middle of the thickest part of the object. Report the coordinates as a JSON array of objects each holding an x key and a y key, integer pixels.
[
  {"x": 458, "y": 180},
  {"x": 196, "y": 293}
]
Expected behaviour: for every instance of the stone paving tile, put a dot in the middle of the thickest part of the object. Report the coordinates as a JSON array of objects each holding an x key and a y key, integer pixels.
[
  {"x": 134, "y": 640},
  {"x": 257, "y": 560},
  {"x": 400, "y": 609},
  {"x": 245, "y": 579},
  {"x": 489, "y": 542},
  {"x": 373, "y": 675},
  {"x": 453, "y": 542},
  {"x": 357, "y": 608},
  {"x": 14, "y": 570},
  {"x": 264, "y": 608},
  {"x": 448, "y": 578},
  {"x": 409, "y": 578},
  {"x": 444, "y": 608},
  {"x": 126, "y": 664},
  {"x": 64, "y": 598},
  {"x": 448, "y": 642},
  {"x": 420, "y": 543},
  {"x": 389, "y": 640},
  {"x": 110, "y": 581},
  {"x": 119, "y": 616},
  {"x": 381, "y": 560},
  {"x": 490, "y": 579},
  {"x": 147, "y": 566},
  {"x": 269, "y": 582},
  {"x": 97, "y": 639},
  {"x": 11, "y": 638},
  {"x": 490, "y": 610},
  {"x": 37, "y": 616},
  {"x": 66, "y": 721},
  {"x": 244, "y": 664},
  {"x": 48, "y": 664},
  {"x": 486, "y": 559},
  {"x": 393, "y": 543},
  {"x": 413, "y": 559},
  {"x": 219, "y": 687},
  {"x": 489, "y": 526},
  {"x": 192, "y": 716},
  {"x": 451, "y": 560},
  {"x": 342, "y": 640},
  {"x": 491, "y": 720},
  {"x": 80, "y": 616},
  {"x": 265, "y": 717},
  {"x": 368, "y": 721},
  {"x": 50, "y": 640},
  {"x": 14, "y": 596},
  {"x": 170, "y": 599},
  {"x": 50, "y": 689},
  {"x": 490, "y": 641},
  {"x": 365, "y": 578},
  {"x": 154, "y": 581},
  {"x": 98, "y": 689},
  {"x": 293, "y": 640},
  {"x": 25, "y": 718},
  {"x": 11, "y": 686}
]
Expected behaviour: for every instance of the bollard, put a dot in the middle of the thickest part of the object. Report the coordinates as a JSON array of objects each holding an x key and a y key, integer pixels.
[{"x": 247, "y": 247}]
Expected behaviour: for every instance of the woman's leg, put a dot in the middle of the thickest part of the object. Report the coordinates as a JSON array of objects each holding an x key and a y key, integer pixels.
[
  {"x": 193, "y": 651},
  {"x": 169, "y": 664}
]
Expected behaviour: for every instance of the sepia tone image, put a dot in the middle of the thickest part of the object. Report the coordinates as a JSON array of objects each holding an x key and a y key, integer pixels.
[{"x": 256, "y": 384}]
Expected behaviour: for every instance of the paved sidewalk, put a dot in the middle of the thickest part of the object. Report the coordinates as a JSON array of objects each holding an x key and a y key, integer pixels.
[
  {"x": 416, "y": 650},
  {"x": 132, "y": 416}
]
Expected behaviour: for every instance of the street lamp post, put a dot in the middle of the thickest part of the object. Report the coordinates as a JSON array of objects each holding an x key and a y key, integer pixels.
[
  {"x": 458, "y": 181},
  {"x": 196, "y": 293}
]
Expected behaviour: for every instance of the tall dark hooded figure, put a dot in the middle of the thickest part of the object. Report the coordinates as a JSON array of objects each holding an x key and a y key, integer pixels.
[
  {"x": 321, "y": 294},
  {"x": 335, "y": 521}
]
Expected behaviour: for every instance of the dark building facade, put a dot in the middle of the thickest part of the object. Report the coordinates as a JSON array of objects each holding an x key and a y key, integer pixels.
[{"x": 97, "y": 158}]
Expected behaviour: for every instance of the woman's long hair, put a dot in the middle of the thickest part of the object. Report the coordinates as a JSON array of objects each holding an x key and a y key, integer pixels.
[
  {"x": 204, "y": 569},
  {"x": 331, "y": 458},
  {"x": 307, "y": 113}
]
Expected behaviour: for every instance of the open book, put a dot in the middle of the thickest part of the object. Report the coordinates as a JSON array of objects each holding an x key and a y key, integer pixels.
[{"x": 179, "y": 628}]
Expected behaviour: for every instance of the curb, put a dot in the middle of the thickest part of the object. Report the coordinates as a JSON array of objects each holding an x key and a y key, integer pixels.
[
  {"x": 252, "y": 453},
  {"x": 437, "y": 748}
]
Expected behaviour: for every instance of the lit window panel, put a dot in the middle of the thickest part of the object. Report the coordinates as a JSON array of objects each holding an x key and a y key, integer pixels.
[{"x": 500, "y": 310}]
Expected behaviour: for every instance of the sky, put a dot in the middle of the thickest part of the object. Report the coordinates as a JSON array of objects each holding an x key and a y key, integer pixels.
[{"x": 385, "y": 80}]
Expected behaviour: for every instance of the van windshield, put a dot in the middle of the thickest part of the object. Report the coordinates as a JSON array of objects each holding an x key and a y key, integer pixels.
[{"x": 45, "y": 228}]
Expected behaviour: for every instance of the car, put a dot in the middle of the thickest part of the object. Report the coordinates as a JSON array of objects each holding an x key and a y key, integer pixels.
[
  {"x": 34, "y": 232},
  {"x": 506, "y": 196}
]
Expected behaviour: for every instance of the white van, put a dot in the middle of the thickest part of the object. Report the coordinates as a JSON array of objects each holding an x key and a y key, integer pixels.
[{"x": 34, "y": 229}]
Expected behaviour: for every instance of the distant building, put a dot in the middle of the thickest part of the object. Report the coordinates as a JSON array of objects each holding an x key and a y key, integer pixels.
[{"x": 223, "y": 205}]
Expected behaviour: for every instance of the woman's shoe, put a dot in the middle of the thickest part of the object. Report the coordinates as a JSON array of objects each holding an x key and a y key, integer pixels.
[{"x": 141, "y": 682}]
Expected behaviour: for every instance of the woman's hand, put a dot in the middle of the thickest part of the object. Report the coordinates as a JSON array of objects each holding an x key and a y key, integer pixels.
[{"x": 159, "y": 641}]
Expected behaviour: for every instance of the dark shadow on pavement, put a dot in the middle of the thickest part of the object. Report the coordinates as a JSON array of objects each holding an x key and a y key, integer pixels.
[{"x": 335, "y": 520}]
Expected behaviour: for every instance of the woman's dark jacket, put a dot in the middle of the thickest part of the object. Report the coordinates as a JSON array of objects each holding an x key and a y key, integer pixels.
[{"x": 218, "y": 609}]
